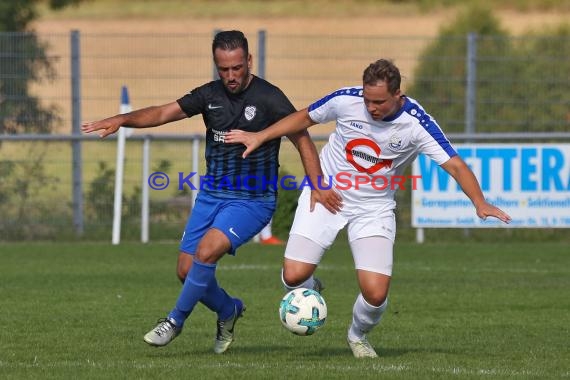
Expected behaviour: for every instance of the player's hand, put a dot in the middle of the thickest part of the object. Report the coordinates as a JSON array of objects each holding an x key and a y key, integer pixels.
[
  {"x": 329, "y": 198},
  {"x": 251, "y": 140},
  {"x": 105, "y": 127},
  {"x": 487, "y": 209}
]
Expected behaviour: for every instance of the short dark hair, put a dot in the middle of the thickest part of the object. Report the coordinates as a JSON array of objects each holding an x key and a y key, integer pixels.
[
  {"x": 383, "y": 70},
  {"x": 230, "y": 40}
]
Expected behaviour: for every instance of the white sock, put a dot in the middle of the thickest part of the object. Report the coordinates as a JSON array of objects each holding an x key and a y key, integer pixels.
[
  {"x": 308, "y": 283},
  {"x": 364, "y": 318},
  {"x": 266, "y": 232}
]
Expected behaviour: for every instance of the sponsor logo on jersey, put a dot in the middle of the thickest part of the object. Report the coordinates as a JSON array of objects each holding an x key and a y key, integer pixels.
[
  {"x": 353, "y": 152},
  {"x": 219, "y": 136},
  {"x": 249, "y": 112},
  {"x": 213, "y": 107}
]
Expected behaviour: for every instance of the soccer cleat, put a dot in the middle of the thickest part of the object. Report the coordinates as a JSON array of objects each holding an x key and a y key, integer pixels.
[
  {"x": 164, "y": 332},
  {"x": 318, "y": 285},
  {"x": 362, "y": 348},
  {"x": 272, "y": 240},
  {"x": 225, "y": 333}
]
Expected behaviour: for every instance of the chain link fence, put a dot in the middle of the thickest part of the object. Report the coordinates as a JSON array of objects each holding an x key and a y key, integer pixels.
[{"x": 61, "y": 186}]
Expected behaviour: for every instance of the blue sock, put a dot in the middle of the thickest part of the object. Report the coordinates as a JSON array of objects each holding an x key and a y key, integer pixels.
[
  {"x": 195, "y": 285},
  {"x": 216, "y": 299}
]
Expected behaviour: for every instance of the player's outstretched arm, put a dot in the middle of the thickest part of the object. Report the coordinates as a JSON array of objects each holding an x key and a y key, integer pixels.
[
  {"x": 459, "y": 170},
  {"x": 143, "y": 118},
  {"x": 295, "y": 122}
]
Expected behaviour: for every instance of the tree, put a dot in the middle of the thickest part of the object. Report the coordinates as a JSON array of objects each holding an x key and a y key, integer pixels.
[
  {"x": 521, "y": 83},
  {"x": 24, "y": 61},
  {"x": 440, "y": 78},
  {"x": 545, "y": 72}
]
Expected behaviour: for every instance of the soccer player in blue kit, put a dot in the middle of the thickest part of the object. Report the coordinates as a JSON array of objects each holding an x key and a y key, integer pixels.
[{"x": 227, "y": 212}]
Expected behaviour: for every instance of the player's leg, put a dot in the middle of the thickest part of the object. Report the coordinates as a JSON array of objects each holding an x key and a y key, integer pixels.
[
  {"x": 239, "y": 222},
  {"x": 185, "y": 258},
  {"x": 198, "y": 239},
  {"x": 200, "y": 277},
  {"x": 302, "y": 256},
  {"x": 212, "y": 247},
  {"x": 371, "y": 233},
  {"x": 311, "y": 234},
  {"x": 201, "y": 218},
  {"x": 211, "y": 298},
  {"x": 373, "y": 258},
  {"x": 211, "y": 232},
  {"x": 183, "y": 265}
]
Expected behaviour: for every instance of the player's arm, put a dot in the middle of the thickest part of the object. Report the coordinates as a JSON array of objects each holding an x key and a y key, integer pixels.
[
  {"x": 143, "y": 118},
  {"x": 295, "y": 122},
  {"x": 312, "y": 165},
  {"x": 459, "y": 170}
]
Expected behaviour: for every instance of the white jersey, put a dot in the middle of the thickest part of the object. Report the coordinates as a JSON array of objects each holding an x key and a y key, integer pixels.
[{"x": 366, "y": 158}]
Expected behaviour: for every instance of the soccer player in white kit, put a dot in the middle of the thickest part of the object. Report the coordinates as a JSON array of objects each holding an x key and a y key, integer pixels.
[{"x": 379, "y": 132}]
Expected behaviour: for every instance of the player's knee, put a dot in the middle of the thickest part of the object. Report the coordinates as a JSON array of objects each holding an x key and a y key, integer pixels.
[
  {"x": 290, "y": 280},
  {"x": 212, "y": 247},
  {"x": 294, "y": 276},
  {"x": 207, "y": 256},
  {"x": 375, "y": 297}
]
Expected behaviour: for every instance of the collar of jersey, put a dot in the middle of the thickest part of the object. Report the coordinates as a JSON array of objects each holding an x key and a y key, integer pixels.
[{"x": 402, "y": 109}]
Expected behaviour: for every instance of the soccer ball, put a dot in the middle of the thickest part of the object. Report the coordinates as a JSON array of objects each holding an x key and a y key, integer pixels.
[{"x": 303, "y": 311}]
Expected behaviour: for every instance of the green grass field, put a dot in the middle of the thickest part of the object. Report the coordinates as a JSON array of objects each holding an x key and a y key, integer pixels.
[{"x": 461, "y": 310}]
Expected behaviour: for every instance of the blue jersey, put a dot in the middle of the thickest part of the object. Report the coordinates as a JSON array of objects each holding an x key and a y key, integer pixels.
[{"x": 229, "y": 175}]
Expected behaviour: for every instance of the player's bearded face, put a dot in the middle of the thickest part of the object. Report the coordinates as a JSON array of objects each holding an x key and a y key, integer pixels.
[
  {"x": 379, "y": 102},
  {"x": 233, "y": 69}
]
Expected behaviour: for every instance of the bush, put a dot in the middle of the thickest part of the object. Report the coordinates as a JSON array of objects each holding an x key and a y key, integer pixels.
[
  {"x": 521, "y": 84},
  {"x": 440, "y": 86},
  {"x": 545, "y": 72}
]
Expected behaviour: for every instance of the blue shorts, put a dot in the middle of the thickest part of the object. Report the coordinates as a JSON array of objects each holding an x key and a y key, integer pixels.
[{"x": 239, "y": 219}]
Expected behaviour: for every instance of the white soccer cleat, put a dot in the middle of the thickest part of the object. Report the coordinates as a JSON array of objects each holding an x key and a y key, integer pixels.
[
  {"x": 164, "y": 332},
  {"x": 362, "y": 348},
  {"x": 225, "y": 332}
]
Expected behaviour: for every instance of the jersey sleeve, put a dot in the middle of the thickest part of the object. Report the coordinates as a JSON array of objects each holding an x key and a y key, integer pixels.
[
  {"x": 432, "y": 142},
  {"x": 325, "y": 109},
  {"x": 193, "y": 102},
  {"x": 281, "y": 106}
]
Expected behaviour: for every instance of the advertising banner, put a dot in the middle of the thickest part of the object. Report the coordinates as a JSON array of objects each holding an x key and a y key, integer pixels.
[{"x": 531, "y": 182}]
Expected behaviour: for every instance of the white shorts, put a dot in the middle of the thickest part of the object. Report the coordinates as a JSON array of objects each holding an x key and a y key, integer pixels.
[
  {"x": 371, "y": 233},
  {"x": 321, "y": 226}
]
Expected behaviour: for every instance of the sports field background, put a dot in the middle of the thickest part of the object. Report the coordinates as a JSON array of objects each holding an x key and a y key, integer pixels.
[
  {"x": 458, "y": 309},
  {"x": 160, "y": 55},
  {"x": 341, "y": 19},
  {"x": 490, "y": 311}
]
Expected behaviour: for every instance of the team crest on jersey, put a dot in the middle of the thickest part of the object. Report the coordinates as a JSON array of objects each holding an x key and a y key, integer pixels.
[
  {"x": 250, "y": 112},
  {"x": 395, "y": 142}
]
